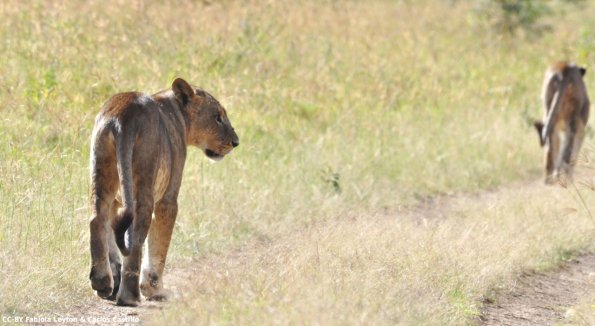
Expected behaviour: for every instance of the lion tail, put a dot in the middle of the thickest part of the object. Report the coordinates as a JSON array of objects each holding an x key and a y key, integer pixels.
[{"x": 123, "y": 220}]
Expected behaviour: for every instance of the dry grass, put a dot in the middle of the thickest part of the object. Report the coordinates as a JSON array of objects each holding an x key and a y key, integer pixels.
[
  {"x": 343, "y": 109},
  {"x": 429, "y": 266}
]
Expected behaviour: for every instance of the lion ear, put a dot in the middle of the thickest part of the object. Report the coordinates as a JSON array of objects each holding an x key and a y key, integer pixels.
[
  {"x": 182, "y": 90},
  {"x": 583, "y": 70}
]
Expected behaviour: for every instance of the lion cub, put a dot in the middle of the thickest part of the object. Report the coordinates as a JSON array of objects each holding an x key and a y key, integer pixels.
[
  {"x": 138, "y": 150},
  {"x": 566, "y": 107}
]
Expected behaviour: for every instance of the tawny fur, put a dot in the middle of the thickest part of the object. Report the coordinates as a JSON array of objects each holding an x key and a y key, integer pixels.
[
  {"x": 138, "y": 151},
  {"x": 566, "y": 112}
]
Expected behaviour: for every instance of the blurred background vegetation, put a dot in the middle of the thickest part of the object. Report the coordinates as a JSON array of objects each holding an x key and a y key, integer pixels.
[{"x": 513, "y": 17}]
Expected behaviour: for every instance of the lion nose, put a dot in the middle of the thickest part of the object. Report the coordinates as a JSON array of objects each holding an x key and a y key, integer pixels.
[{"x": 235, "y": 143}]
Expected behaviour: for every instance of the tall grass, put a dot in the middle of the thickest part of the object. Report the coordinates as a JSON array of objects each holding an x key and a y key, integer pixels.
[
  {"x": 341, "y": 107},
  {"x": 430, "y": 268}
]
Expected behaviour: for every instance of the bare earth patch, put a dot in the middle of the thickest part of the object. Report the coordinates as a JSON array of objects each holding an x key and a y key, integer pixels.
[{"x": 543, "y": 298}]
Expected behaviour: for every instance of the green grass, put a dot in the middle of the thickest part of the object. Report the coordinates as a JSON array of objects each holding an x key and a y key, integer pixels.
[{"x": 387, "y": 101}]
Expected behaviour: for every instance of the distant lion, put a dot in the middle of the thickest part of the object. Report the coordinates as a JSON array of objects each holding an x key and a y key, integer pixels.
[
  {"x": 566, "y": 107},
  {"x": 138, "y": 150}
]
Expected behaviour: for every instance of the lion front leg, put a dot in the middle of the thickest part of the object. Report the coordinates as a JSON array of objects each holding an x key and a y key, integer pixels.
[{"x": 156, "y": 251}]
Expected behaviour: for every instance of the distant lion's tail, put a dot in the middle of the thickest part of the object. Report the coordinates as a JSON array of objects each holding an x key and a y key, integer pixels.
[
  {"x": 123, "y": 221},
  {"x": 539, "y": 126}
]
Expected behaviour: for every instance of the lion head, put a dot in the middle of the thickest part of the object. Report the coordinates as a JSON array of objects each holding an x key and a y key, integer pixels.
[{"x": 208, "y": 127}]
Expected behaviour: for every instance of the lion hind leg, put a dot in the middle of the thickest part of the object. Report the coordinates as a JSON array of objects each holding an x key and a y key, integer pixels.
[
  {"x": 576, "y": 136},
  {"x": 115, "y": 259},
  {"x": 129, "y": 292},
  {"x": 101, "y": 275},
  {"x": 103, "y": 193},
  {"x": 551, "y": 154},
  {"x": 579, "y": 136},
  {"x": 104, "y": 184}
]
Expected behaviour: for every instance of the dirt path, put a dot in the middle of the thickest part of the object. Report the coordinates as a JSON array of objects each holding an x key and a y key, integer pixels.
[
  {"x": 539, "y": 299},
  {"x": 542, "y": 298}
]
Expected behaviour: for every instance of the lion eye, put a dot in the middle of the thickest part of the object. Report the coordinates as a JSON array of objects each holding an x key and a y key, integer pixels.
[{"x": 218, "y": 119}]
